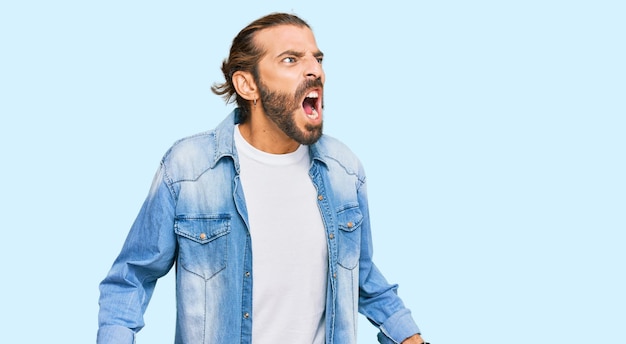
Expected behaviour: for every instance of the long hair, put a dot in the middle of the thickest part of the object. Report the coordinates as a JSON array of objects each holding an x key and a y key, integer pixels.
[{"x": 245, "y": 56}]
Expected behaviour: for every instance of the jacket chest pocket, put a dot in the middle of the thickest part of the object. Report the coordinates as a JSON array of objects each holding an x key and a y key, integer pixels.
[
  {"x": 349, "y": 236},
  {"x": 202, "y": 243}
]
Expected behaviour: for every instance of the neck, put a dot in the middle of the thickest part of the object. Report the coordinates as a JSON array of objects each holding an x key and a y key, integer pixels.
[{"x": 263, "y": 134}]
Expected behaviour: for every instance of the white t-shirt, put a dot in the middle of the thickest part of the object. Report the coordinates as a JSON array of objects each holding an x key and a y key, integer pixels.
[{"x": 289, "y": 250}]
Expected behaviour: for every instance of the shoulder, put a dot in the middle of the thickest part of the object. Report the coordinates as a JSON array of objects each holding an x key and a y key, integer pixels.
[
  {"x": 191, "y": 146},
  {"x": 191, "y": 156},
  {"x": 332, "y": 151}
]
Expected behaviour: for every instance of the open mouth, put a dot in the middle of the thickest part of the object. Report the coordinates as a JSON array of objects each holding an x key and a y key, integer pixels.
[{"x": 312, "y": 104}]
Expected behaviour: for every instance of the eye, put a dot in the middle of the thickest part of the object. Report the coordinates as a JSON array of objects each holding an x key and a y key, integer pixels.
[
  {"x": 290, "y": 59},
  {"x": 320, "y": 60}
]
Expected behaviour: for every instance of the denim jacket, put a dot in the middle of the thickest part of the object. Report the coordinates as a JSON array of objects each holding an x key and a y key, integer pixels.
[{"x": 195, "y": 216}]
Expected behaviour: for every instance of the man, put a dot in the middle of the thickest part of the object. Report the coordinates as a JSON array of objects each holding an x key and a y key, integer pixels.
[{"x": 265, "y": 217}]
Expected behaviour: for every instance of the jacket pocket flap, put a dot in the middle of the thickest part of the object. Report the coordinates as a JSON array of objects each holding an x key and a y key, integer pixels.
[
  {"x": 202, "y": 229},
  {"x": 350, "y": 219}
]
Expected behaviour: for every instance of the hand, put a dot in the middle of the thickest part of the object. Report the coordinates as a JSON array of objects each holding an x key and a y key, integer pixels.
[{"x": 415, "y": 339}]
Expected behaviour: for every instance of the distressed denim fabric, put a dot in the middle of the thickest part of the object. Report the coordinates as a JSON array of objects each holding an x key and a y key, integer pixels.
[{"x": 195, "y": 217}]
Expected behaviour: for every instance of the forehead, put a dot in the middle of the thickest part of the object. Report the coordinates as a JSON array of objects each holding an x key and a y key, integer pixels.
[{"x": 278, "y": 39}]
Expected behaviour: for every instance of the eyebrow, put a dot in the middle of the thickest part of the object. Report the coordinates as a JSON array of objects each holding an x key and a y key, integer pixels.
[{"x": 317, "y": 54}]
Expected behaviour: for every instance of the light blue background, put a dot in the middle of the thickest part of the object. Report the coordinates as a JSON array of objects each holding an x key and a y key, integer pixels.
[{"x": 493, "y": 133}]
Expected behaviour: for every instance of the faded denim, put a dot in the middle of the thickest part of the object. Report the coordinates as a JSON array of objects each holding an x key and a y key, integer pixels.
[{"x": 195, "y": 216}]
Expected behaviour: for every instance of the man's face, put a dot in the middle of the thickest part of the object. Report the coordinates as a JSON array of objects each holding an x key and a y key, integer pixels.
[{"x": 291, "y": 81}]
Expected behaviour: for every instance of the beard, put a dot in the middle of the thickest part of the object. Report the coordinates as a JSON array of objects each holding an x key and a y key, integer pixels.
[{"x": 282, "y": 108}]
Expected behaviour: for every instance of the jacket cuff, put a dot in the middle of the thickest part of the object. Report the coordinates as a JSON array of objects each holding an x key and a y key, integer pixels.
[
  {"x": 397, "y": 328},
  {"x": 115, "y": 335}
]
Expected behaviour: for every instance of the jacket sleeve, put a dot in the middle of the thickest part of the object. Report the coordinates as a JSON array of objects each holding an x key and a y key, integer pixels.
[
  {"x": 378, "y": 300},
  {"x": 147, "y": 254}
]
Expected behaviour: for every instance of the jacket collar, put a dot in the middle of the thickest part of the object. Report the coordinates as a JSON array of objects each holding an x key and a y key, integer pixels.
[{"x": 225, "y": 142}]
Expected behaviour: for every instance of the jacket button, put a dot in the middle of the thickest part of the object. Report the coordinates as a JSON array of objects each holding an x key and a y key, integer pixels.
[
  {"x": 202, "y": 236},
  {"x": 331, "y": 235},
  {"x": 320, "y": 197},
  {"x": 246, "y": 315},
  {"x": 247, "y": 273},
  {"x": 350, "y": 224}
]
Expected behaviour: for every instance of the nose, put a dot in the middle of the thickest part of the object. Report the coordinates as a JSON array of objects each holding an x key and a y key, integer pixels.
[{"x": 314, "y": 68}]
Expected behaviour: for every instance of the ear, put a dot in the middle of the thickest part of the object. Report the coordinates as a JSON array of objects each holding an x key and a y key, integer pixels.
[{"x": 244, "y": 85}]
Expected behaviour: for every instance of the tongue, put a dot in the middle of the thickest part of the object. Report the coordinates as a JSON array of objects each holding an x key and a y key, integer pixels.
[{"x": 307, "y": 108}]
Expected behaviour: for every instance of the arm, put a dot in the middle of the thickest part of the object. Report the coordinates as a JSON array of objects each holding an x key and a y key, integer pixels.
[
  {"x": 148, "y": 253},
  {"x": 378, "y": 300}
]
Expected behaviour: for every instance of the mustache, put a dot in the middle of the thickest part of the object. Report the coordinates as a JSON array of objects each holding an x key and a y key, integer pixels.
[{"x": 306, "y": 85}]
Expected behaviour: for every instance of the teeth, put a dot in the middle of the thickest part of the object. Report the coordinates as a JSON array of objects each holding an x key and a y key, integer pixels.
[{"x": 312, "y": 94}]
